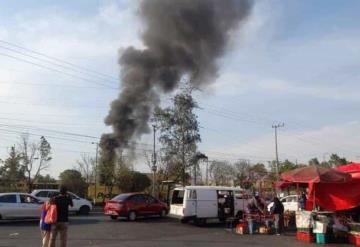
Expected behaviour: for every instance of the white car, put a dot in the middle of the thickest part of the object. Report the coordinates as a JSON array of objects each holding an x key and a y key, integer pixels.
[
  {"x": 290, "y": 203},
  {"x": 81, "y": 205},
  {"x": 19, "y": 206}
]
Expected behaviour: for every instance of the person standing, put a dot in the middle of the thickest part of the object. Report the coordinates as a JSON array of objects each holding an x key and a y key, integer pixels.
[
  {"x": 278, "y": 211},
  {"x": 256, "y": 206},
  {"x": 45, "y": 228},
  {"x": 62, "y": 201}
]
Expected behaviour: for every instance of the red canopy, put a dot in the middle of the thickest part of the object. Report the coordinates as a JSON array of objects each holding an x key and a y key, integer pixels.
[
  {"x": 315, "y": 174},
  {"x": 352, "y": 168},
  {"x": 334, "y": 197}
]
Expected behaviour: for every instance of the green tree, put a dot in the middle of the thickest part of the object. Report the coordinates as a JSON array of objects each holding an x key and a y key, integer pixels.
[
  {"x": 287, "y": 166},
  {"x": 179, "y": 134},
  {"x": 74, "y": 182},
  {"x": 47, "y": 179},
  {"x": 132, "y": 181},
  {"x": 107, "y": 163},
  {"x": 12, "y": 172},
  {"x": 335, "y": 160},
  {"x": 314, "y": 162}
]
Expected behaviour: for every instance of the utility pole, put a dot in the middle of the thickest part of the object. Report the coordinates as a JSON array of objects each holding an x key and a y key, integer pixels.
[
  {"x": 276, "y": 126},
  {"x": 154, "y": 168},
  {"x": 95, "y": 172}
]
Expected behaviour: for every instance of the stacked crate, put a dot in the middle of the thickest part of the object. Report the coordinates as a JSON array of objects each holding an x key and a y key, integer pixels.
[{"x": 304, "y": 226}]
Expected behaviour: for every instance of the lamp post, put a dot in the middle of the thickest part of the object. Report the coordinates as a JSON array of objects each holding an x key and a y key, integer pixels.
[{"x": 95, "y": 171}]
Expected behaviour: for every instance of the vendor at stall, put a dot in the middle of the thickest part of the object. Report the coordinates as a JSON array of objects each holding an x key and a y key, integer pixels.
[
  {"x": 255, "y": 207},
  {"x": 339, "y": 226},
  {"x": 256, "y": 204}
]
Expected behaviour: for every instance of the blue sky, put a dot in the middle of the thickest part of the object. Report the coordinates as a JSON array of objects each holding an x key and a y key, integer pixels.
[{"x": 296, "y": 62}]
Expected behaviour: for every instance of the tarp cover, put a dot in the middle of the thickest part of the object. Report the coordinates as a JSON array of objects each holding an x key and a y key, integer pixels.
[
  {"x": 352, "y": 168},
  {"x": 315, "y": 174},
  {"x": 334, "y": 197}
]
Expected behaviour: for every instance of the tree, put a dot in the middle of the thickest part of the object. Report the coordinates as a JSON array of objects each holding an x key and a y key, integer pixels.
[
  {"x": 241, "y": 169},
  {"x": 107, "y": 163},
  {"x": 35, "y": 157},
  {"x": 47, "y": 179},
  {"x": 258, "y": 171},
  {"x": 222, "y": 173},
  {"x": 314, "y": 162},
  {"x": 287, "y": 166},
  {"x": 335, "y": 160},
  {"x": 179, "y": 136},
  {"x": 11, "y": 173},
  {"x": 86, "y": 166},
  {"x": 132, "y": 181},
  {"x": 74, "y": 181}
]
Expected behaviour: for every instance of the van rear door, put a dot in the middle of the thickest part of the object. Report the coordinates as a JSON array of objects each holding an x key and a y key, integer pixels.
[
  {"x": 177, "y": 203},
  {"x": 190, "y": 204}
]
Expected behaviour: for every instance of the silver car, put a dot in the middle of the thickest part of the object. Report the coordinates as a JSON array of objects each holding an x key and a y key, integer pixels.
[{"x": 19, "y": 206}]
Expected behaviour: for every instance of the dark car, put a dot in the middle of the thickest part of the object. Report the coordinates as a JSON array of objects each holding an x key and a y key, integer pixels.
[{"x": 132, "y": 205}]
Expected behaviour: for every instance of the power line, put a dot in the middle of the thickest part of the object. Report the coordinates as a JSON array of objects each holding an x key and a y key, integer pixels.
[
  {"x": 57, "y": 71},
  {"x": 80, "y": 68}
]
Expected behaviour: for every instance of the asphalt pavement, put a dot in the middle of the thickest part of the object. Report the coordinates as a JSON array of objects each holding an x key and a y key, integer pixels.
[{"x": 98, "y": 230}]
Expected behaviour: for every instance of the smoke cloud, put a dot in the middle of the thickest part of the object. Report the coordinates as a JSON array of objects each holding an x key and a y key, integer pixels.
[{"x": 181, "y": 38}]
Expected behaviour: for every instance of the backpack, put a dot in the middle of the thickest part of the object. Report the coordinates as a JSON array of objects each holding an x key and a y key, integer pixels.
[{"x": 51, "y": 215}]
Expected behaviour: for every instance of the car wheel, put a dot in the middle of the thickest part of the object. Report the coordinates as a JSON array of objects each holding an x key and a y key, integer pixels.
[
  {"x": 132, "y": 216},
  {"x": 84, "y": 210},
  {"x": 113, "y": 217},
  {"x": 162, "y": 213}
]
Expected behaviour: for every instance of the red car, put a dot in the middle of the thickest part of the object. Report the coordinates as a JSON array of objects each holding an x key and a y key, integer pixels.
[{"x": 132, "y": 205}]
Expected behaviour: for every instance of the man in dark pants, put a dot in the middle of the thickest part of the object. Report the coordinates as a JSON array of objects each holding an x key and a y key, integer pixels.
[{"x": 62, "y": 201}]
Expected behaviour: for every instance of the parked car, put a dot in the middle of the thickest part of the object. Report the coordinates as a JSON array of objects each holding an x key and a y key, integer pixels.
[
  {"x": 81, "y": 205},
  {"x": 132, "y": 205},
  {"x": 290, "y": 203},
  {"x": 202, "y": 203},
  {"x": 19, "y": 206}
]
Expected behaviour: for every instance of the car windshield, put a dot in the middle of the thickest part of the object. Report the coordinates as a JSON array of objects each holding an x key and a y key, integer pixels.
[{"x": 120, "y": 197}]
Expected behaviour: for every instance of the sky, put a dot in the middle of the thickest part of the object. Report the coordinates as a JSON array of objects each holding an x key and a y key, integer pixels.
[{"x": 292, "y": 62}]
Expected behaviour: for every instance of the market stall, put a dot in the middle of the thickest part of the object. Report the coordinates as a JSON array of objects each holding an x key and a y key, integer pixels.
[{"x": 330, "y": 192}]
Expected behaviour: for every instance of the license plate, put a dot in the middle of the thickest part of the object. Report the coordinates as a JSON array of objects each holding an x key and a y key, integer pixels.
[{"x": 112, "y": 212}]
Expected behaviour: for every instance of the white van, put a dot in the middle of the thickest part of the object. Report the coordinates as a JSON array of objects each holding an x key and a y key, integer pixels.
[{"x": 201, "y": 203}]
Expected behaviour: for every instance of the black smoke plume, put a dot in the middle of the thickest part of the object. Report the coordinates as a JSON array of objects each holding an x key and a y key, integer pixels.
[{"x": 181, "y": 38}]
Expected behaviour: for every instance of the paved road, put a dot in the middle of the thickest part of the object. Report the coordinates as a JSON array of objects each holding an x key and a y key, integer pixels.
[{"x": 97, "y": 230}]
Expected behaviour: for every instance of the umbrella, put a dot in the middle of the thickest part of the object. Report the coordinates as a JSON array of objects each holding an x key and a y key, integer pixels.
[{"x": 315, "y": 174}]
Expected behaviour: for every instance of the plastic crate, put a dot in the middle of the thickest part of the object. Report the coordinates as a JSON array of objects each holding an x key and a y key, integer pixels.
[
  {"x": 354, "y": 239},
  {"x": 321, "y": 238},
  {"x": 305, "y": 237}
]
